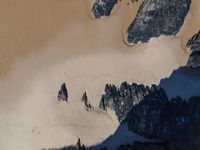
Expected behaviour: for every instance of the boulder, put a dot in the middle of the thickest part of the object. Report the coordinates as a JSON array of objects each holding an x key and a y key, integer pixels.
[
  {"x": 63, "y": 94},
  {"x": 103, "y": 7}
]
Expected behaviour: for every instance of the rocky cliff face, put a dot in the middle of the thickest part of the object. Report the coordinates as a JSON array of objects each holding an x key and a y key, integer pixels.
[
  {"x": 194, "y": 45},
  {"x": 103, "y": 7},
  {"x": 122, "y": 99},
  {"x": 150, "y": 115},
  {"x": 175, "y": 121},
  {"x": 154, "y": 18},
  {"x": 149, "y": 112},
  {"x": 158, "y": 17}
]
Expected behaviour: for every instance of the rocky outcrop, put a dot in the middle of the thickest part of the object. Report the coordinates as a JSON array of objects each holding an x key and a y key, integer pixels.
[
  {"x": 148, "y": 118},
  {"x": 79, "y": 146},
  {"x": 103, "y": 7},
  {"x": 149, "y": 113},
  {"x": 142, "y": 146},
  {"x": 154, "y": 116},
  {"x": 194, "y": 45},
  {"x": 122, "y": 99},
  {"x": 86, "y": 102},
  {"x": 157, "y": 17},
  {"x": 62, "y": 93},
  {"x": 175, "y": 121}
]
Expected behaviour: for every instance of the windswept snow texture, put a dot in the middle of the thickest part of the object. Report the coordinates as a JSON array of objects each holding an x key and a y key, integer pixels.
[
  {"x": 184, "y": 82},
  {"x": 158, "y": 17},
  {"x": 194, "y": 45},
  {"x": 103, "y": 7}
]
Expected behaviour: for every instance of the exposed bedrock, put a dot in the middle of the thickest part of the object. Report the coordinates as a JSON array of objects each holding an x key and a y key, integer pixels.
[
  {"x": 122, "y": 99},
  {"x": 103, "y": 7},
  {"x": 154, "y": 17},
  {"x": 176, "y": 121},
  {"x": 63, "y": 93},
  {"x": 157, "y": 17},
  {"x": 194, "y": 45},
  {"x": 149, "y": 113}
]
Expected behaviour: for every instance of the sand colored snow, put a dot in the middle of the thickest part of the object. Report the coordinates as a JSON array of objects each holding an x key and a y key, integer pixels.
[{"x": 45, "y": 43}]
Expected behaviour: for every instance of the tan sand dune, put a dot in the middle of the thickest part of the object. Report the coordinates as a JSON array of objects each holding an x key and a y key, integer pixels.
[{"x": 45, "y": 43}]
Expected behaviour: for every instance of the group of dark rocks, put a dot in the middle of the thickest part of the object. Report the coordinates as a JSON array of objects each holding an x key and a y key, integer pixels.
[
  {"x": 103, "y": 8},
  {"x": 148, "y": 112},
  {"x": 63, "y": 96},
  {"x": 173, "y": 123},
  {"x": 154, "y": 17}
]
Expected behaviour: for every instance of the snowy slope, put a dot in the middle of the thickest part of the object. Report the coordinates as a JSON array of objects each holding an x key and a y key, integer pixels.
[{"x": 59, "y": 43}]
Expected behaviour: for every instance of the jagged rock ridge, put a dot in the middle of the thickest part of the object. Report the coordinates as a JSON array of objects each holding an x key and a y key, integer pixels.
[
  {"x": 149, "y": 116},
  {"x": 122, "y": 99},
  {"x": 149, "y": 112},
  {"x": 157, "y": 17},
  {"x": 103, "y": 7},
  {"x": 176, "y": 121},
  {"x": 194, "y": 45}
]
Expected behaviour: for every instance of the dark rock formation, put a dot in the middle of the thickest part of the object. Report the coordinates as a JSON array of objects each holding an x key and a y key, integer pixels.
[
  {"x": 86, "y": 102},
  {"x": 63, "y": 94},
  {"x": 158, "y": 17},
  {"x": 122, "y": 99},
  {"x": 79, "y": 146},
  {"x": 149, "y": 116},
  {"x": 175, "y": 121},
  {"x": 194, "y": 45},
  {"x": 85, "y": 98},
  {"x": 103, "y": 7},
  {"x": 142, "y": 146},
  {"x": 149, "y": 113}
]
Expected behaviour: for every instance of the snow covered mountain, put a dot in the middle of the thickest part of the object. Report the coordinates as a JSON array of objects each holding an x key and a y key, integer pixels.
[{"x": 121, "y": 80}]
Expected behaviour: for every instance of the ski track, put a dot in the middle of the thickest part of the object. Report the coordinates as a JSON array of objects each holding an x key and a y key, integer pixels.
[{"x": 51, "y": 124}]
